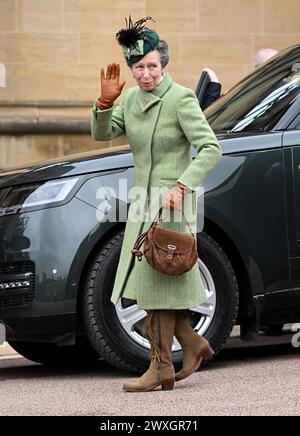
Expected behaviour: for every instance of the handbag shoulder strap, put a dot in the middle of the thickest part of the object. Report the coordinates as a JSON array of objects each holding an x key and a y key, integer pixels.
[{"x": 140, "y": 240}]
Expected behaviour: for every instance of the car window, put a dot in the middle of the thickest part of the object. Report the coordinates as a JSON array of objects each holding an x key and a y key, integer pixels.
[{"x": 260, "y": 100}]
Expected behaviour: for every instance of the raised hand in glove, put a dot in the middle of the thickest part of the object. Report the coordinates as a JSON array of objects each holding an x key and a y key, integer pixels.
[
  {"x": 174, "y": 200},
  {"x": 111, "y": 88}
]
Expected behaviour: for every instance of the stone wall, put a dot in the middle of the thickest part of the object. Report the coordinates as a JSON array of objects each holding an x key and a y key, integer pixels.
[{"x": 52, "y": 51}]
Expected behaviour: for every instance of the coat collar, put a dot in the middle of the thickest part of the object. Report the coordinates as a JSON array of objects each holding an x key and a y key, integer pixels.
[{"x": 147, "y": 99}]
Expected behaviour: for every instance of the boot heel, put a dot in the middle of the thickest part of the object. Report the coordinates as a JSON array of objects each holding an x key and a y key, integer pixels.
[
  {"x": 208, "y": 353},
  {"x": 168, "y": 385}
]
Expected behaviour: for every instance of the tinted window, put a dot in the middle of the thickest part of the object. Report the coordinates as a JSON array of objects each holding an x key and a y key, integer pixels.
[{"x": 259, "y": 101}]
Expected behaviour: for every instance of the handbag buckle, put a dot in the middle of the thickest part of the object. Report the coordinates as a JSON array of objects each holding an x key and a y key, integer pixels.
[{"x": 171, "y": 250}]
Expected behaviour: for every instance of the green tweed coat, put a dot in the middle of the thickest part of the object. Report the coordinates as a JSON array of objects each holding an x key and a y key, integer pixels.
[{"x": 161, "y": 126}]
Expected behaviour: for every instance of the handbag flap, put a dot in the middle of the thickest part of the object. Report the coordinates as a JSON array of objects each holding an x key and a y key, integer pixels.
[{"x": 163, "y": 237}]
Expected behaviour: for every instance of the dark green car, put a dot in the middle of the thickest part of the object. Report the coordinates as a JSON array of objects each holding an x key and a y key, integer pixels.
[{"x": 60, "y": 249}]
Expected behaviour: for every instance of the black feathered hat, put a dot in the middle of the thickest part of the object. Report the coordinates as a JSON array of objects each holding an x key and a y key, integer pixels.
[{"x": 137, "y": 40}]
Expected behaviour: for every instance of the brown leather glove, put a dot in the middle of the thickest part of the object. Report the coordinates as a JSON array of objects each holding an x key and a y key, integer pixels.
[
  {"x": 111, "y": 88},
  {"x": 174, "y": 201}
]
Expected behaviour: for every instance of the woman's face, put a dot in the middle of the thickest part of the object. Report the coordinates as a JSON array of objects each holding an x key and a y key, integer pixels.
[{"x": 148, "y": 71}]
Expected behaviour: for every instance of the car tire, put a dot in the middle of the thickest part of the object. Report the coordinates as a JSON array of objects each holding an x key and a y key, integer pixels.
[
  {"x": 101, "y": 323},
  {"x": 103, "y": 328},
  {"x": 51, "y": 354}
]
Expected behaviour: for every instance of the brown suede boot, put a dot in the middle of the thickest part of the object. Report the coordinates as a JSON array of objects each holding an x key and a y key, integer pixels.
[
  {"x": 195, "y": 348},
  {"x": 160, "y": 329}
]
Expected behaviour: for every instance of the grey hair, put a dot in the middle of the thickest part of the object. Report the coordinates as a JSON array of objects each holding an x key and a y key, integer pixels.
[{"x": 163, "y": 50}]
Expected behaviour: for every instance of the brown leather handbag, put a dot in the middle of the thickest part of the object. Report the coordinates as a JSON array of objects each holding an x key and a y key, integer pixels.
[{"x": 169, "y": 252}]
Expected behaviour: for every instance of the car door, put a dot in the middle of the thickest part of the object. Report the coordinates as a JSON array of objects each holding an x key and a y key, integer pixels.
[{"x": 291, "y": 147}]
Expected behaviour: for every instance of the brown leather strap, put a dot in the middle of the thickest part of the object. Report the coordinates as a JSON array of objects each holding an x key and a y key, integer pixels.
[{"x": 140, "y": 240}]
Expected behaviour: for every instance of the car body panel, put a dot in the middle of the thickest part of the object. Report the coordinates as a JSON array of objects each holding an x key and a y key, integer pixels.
[
  {"x": 291, "y": 147},
  {"x": 239, "y": 208},
  {"x": 82, "y": 163}
]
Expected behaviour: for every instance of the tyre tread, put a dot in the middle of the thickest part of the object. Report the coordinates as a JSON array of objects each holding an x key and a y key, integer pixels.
[{"x": 99, "y": 339}]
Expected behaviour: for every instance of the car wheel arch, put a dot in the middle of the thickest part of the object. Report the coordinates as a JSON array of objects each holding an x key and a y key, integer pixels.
[{"x": 111, "y": 233}]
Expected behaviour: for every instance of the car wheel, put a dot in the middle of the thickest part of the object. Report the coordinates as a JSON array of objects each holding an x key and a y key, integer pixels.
[
  {"x": 51, "y": 354},
  {"x": 116, "y": 331}
]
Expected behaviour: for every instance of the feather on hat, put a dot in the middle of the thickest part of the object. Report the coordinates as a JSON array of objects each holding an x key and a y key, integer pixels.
[{"x": 137, "y": 39}]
